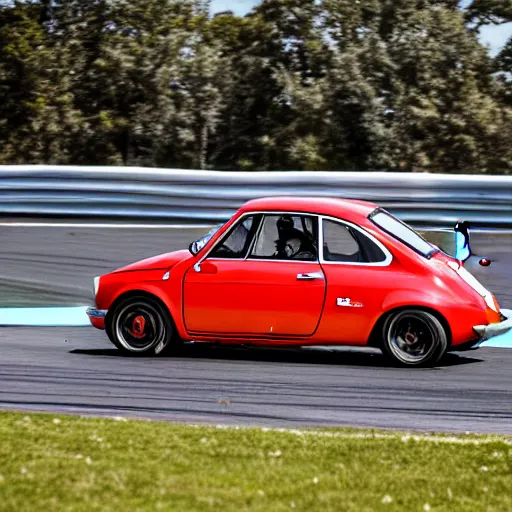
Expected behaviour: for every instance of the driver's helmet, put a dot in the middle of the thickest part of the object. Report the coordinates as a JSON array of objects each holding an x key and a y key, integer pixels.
[{"x": 285, "y": 223}]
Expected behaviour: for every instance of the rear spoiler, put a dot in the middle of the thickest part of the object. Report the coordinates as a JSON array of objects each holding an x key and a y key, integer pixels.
[
  {"x": 463, "y": 244},
  {"x": 462, "y": 241}
]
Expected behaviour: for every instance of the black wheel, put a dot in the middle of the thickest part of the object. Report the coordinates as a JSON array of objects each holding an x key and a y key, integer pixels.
[
  {"x": 141, "y": 326},
  {"x": 414, "y": 338}
]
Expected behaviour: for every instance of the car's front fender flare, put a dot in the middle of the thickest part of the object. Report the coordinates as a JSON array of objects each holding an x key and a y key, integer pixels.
[{"x": 152, "y": 289}]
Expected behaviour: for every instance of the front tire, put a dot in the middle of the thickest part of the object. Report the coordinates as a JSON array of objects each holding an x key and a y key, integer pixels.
[
  {"x": 414, "y": 337},
  {"x": 141, "y": 326}
]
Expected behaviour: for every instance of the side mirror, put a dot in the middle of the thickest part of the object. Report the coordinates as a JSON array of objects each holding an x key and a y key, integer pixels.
[{"x": 193, "y": 248}]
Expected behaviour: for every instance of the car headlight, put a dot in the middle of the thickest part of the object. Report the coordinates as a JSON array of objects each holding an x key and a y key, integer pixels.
[
  {"x": 96, "y": 285},
  {"x": 475, "y": 284}
]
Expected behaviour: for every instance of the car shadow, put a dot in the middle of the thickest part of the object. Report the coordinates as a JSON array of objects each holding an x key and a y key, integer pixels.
[{"x": 338, "y": 356}]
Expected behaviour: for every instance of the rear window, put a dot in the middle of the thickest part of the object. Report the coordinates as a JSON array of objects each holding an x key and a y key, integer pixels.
[
  {"x": 345, "y": 244},
  {"x": 402, "y": 232}
]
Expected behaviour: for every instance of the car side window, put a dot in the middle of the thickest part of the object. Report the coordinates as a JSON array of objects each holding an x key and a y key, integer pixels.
[
  {"x": 287, "y": 237},
  {"x": 235, "y": 244},
  {"x": 345, "y": 244}
]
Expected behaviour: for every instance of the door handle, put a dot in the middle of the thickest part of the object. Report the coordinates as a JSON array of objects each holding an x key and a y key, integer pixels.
[{"x": 310, "y": 276}]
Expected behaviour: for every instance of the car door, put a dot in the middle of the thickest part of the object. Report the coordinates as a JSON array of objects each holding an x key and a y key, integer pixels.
[
  {"x": 359, "y": 275},
  {"x": 246, "y": 287}
]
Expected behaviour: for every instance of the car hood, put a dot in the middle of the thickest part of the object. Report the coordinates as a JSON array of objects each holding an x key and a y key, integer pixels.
[{"x": 160, "y": 262}]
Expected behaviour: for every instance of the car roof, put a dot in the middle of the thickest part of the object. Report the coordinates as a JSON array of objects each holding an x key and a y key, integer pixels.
[{"x": 349, "y": 209}]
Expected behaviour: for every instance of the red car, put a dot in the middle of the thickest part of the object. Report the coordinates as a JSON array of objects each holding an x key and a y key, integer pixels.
[{"x": 301, "y": 271}]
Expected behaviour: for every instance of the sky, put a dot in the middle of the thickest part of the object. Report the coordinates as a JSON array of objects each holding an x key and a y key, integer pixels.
[{"x": 493, "y": 36}]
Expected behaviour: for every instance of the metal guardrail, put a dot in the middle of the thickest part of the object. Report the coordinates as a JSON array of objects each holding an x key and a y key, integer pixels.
[{"x": 175, "y": 194}]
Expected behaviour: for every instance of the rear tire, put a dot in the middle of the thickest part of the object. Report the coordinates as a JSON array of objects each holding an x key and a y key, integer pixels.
[
  {"x": 142, "y": 326},
  {"x": 413, "y": 337}
]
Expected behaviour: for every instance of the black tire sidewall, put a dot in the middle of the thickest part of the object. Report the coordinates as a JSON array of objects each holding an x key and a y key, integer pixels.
[
  {"x": 441, "y": 338},
  {"x": 164, "y": 316}
]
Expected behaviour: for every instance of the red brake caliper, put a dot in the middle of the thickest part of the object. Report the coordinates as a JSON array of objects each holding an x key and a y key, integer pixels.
[
  {"x": 411, "y": 338},
  {"x": 138, "y": 327}
]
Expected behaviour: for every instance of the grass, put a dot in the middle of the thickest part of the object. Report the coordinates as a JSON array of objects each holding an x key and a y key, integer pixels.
[{"x": 50, "y": 462}]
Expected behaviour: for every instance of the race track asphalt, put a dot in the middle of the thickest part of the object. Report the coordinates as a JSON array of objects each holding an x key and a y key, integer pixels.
[
  {"x": 52, "y": 266},
  {"x": 76, "y": 370}
]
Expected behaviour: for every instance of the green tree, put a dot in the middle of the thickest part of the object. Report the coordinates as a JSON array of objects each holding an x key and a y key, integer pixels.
[
  {"x": 296, "y": 84},
  {"x": 22, "y": 95},
  {"x": 483, "y": 12},
  {"x": 273, "y": 100},
  {"x": 447, "y": 112}
]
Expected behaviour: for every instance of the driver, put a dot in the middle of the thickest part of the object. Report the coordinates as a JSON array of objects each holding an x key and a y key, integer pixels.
[{"x": 292, "y": 242}]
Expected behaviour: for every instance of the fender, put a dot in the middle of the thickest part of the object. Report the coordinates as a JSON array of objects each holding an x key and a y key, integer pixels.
[
  {"x": 405, "y": 298},
  {"x": 451, "y": 308},
  {"x": 155, "y": 288}
]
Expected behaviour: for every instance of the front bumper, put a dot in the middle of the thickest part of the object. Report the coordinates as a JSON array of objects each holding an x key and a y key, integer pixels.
[
  {"x": 97, "y": 317},
  {"x": 486, "y": 332}
]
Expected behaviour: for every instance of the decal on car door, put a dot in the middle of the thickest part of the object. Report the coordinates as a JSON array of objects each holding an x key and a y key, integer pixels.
[{"x": 347, "y": 303}]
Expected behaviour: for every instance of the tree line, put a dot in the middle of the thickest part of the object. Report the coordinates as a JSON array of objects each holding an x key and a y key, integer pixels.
[{"x": 392, "y": 85}]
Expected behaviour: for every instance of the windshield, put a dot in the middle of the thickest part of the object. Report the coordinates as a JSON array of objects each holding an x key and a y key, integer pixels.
[
  {"x": 402, "y": 232},
  {"x": 201, "y": 243}
]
